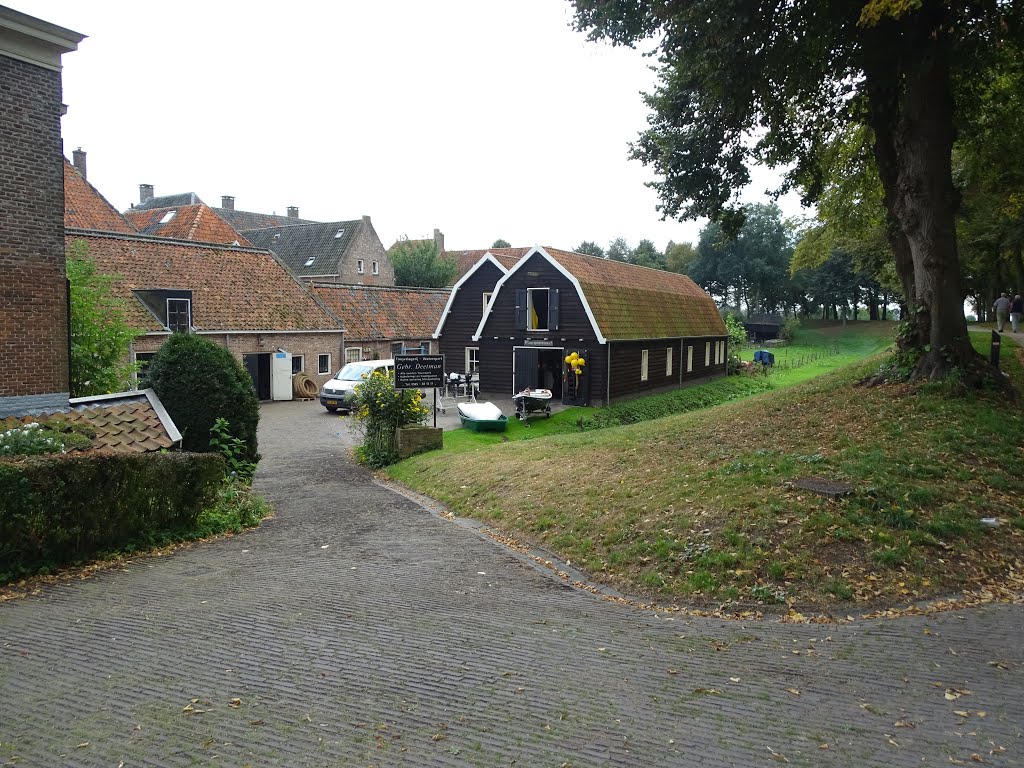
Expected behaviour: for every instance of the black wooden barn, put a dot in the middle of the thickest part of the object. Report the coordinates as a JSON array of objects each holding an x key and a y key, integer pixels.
[{"x": 639, "y": 330}]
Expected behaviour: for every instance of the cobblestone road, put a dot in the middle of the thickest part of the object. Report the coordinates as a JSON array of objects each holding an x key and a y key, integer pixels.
[{"x": 357, "y": 629}]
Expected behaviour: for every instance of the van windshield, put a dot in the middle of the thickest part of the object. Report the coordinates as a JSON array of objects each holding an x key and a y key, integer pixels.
[{"x": 354, "y": 372}]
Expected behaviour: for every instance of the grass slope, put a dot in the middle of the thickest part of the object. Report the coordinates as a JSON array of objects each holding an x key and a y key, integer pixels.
[{"x": 697, "y": 505}]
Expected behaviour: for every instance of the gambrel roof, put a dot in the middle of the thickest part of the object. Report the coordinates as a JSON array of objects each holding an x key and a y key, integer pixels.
[
  {"x": 467, "y": 260},
  {"x": 380, "y": 312},
  {"x": 629, "y": 302}
]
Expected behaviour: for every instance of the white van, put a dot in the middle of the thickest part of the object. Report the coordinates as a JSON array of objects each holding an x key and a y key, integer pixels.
[{"x": 338, "y": 392}]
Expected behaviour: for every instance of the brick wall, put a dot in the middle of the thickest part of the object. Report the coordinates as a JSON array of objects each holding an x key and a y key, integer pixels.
[
  {"x": 33, "y": 292},
  {"x": 309, "y": 345},
  {"x": 366, "y": 245}
]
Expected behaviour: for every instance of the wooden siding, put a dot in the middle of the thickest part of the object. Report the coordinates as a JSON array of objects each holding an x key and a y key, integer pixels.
[
  {"x": 464, "y": 315},
  {"x": 626, "y": 362}
]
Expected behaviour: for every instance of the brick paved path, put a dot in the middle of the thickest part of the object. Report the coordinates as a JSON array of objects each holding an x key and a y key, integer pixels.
[{"x": 356, "y": 629}]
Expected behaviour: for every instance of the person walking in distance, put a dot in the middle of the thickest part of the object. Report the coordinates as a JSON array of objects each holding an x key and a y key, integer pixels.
[
  {"x": 1002, "y": 310},
  {"x": 1016, "y": 312}
]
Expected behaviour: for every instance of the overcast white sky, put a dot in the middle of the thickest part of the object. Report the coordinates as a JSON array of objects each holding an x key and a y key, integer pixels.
[{"x": 485, "y": 119}]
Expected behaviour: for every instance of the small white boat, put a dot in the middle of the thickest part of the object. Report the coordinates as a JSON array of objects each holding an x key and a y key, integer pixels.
[
  {"x": 482, "y": 417},
  {"x": 532, "y": 401}
]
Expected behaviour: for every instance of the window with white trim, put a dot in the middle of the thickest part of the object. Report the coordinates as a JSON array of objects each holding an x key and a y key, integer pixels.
[
  {"x": 487, "y": 300},
  {"x": 424, "y": 347},
  {"x": 298, "y": 362},
  {"x": 397, "y": 348},
  {"x": 668, "y": 361},
  {"x": 537, "y": 309},
  {"x": 142, "y": 359},
  {"x": 375, "y": 267},
  {"x": 707, "y": 353},
  {"x": 360, "y": 266},
  {"x": 353, "y": 354},
  {"x": 323, "y": 363},
  {"x": 644, "y": 358},
  {"x": 179, "y": 315},
  {"x": 689, "y": 359},
  {"x": 721, "y": 352},
  {"x": 472, "y": 359}
]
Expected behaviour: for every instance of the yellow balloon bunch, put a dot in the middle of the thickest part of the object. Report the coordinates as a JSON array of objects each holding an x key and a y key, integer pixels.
[{"x": 575, "y": 363}]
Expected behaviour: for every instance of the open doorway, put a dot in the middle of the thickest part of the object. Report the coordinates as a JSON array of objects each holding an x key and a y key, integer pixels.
[
  {"x": 538, "y": 368},
  {"x": 258, "y": 366}
]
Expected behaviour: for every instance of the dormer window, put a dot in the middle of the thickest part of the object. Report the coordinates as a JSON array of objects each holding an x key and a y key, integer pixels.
[
  {"x": 168, "y": 216},
  {"x": 179, "y": 315},
  {"x": 360, "y": 268}
]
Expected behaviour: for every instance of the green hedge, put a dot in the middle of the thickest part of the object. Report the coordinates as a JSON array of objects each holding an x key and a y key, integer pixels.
[{"x": 60, "y": 509}]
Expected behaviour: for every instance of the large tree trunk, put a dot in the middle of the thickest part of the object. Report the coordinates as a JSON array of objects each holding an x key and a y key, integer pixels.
[{"x": 926, "y": 200}]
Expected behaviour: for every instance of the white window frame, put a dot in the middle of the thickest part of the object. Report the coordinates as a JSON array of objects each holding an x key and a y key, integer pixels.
[
  {"x": 487, "y": 300},
  {"x": 188, "y": 313},
  {"x": 135, "y": 359},
  {"x": 707, "y": 354},
  {"x": 689, "y": 358},
  {"x": 321, "y": 359},
  {"x": 530, "y": 311},
  {"x": 353, "y": 355},
  {"x": 721, "y": 352},
  {"x": 472, "y": 356},
  {"x": 668, "y": 361},
  {"x": 644, "y": 360},
  {"x": 302, "y": 363},
  {"x": 360, "y": 266},
  {"x": 375, "y": 266},
  {"x": 424, "y": 347}
]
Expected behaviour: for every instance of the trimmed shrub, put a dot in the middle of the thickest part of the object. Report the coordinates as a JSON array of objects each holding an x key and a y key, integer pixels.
[
  {"x": 199, "y": 382},
  {"x": 60, "y": 509}
]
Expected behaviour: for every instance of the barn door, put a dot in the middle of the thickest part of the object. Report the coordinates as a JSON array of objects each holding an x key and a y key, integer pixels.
[
  {"x": 524, "y": 369},
  {"x": 576, "y": 389}
]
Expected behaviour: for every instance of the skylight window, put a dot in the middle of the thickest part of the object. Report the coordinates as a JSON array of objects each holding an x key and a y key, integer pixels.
[
  {"x": 310, "y": 260},
  {"x": 339, "y": 233},
  {"x": 168, "y": 216}
]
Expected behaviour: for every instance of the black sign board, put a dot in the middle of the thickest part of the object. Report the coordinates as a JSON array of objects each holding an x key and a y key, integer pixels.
[{"x": 419, "y": 371}]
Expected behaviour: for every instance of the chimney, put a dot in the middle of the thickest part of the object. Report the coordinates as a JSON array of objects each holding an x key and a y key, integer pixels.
[
  {"x": 227, "y": 202},
  {"x": 78, "y": 157},
  {"x": 439, "y": 240},
  {"x": 293, "y": 212},
  {"x": 145, "y": 193}
]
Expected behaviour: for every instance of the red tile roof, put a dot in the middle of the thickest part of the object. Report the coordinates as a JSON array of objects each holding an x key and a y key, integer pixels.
[
  {"x": 86, "y": 208},
  {"x": 199, "y": 223},
  {"x": 507, "y": 257},
  {"x": 128, "y": 422},
  {"x": 232, "y": 288},
  {"x": 373, "y": 312}
]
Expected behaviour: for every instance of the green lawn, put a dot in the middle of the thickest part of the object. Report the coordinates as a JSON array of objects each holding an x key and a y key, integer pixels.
[{"x": 701, "y": 506}]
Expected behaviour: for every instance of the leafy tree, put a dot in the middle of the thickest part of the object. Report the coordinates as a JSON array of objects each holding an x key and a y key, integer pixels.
[
  {"x": 418, "y": 264},
  {"x": 499, "y": 243},
  {"x": 590, "y": 248},
  {"x": 751, "y": 270},
  {"x": 101, "y": 336},
  {"x": 679, "y": 257},
  {"x": 199, "y": 382},
  {"x": 646, "y": 255},
  {"x": 745, "y": 81},
  {"x": 619, "y": 250}
]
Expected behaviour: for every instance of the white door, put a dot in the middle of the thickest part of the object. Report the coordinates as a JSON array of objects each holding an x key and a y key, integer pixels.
[{"x": 281, "y": 376}]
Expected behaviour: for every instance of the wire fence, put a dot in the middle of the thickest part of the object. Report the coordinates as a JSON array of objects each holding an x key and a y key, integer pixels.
[{"x": 786, "y": 359}]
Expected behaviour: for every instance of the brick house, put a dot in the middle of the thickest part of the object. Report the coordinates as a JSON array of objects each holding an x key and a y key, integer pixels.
[
  {"x": 381, "y": 322},
  {"x": 348, "y": 252},
  {"x": 640, "y": 330},
  {"x": 242, "y": 298},
  {"x": 33, "y": 284}
]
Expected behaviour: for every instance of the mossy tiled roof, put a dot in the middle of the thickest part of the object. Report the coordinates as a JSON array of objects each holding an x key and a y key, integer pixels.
[
  {"x": 632, "y": 302},
  {"x": 372, "y": 312},
  {"x": 86, "y": 208}
]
